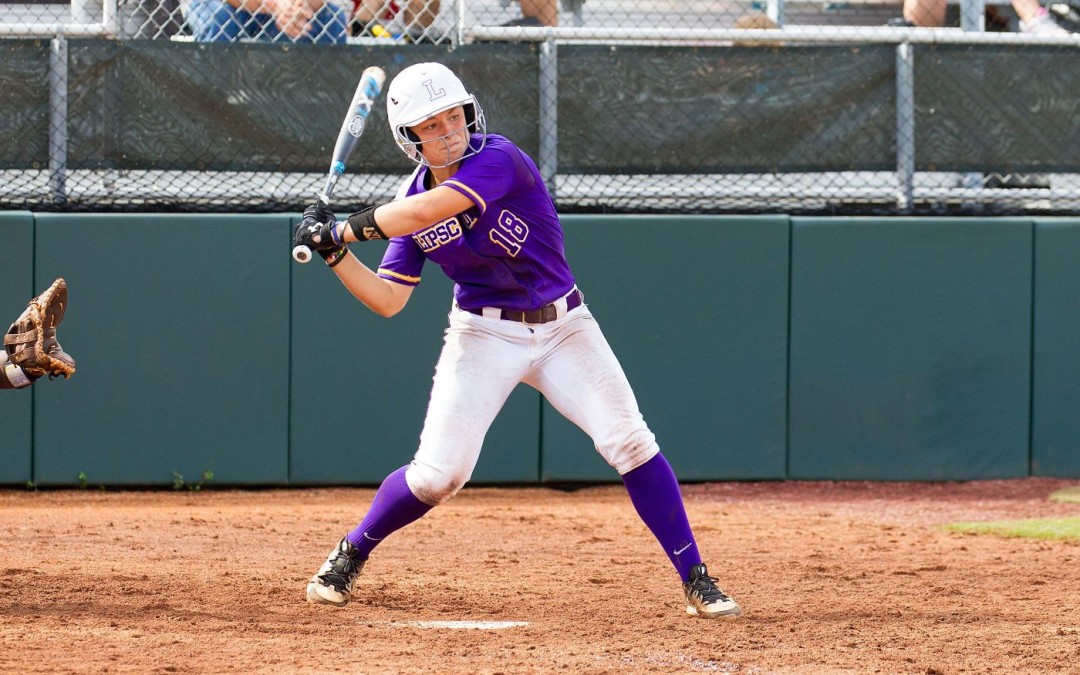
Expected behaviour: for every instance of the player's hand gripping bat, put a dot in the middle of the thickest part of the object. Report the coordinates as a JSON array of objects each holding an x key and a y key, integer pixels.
[{"x": 371, "y": 83}]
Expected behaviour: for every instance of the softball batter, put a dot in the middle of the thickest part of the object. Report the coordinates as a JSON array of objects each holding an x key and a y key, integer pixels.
[{"x": 477, "y": 207}]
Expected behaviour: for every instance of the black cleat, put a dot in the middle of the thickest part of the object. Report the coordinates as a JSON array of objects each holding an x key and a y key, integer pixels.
[
  {"x": 333, "y": 583},
  {"x": 705, "y": 599}
]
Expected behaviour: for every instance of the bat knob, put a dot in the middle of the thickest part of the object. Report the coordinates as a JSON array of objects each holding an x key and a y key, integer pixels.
[{"x": 301, "y": 254}]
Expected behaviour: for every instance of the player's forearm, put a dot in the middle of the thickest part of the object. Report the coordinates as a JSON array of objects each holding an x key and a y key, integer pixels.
[
  {"x": 406, "y": 216},
  {"x": 412, "y": 214},
  {"x": 373, "y": 291}
]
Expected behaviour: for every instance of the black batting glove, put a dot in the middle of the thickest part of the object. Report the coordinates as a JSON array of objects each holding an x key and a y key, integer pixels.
[
  {"x": 316, "y": 230},
  {"x": 320, "y": 213},
  {"x": 315, "y": 235}
]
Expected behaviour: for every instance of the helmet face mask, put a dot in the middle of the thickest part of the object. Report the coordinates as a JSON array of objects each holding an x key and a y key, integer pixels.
[{"x": 422, "y": 91}]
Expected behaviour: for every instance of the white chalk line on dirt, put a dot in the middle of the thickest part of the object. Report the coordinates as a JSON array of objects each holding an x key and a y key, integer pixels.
[{"x": 458, "y": 625}]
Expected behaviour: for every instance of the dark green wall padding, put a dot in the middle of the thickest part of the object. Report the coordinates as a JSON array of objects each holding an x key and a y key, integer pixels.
[
  {"x": 16, "y": 288},
  {"x": 1055, "y": 435},
  {"x": 180, "y": 326},
  {"x": 758, "y": 347},
  {"x": 910, "y": 348}
]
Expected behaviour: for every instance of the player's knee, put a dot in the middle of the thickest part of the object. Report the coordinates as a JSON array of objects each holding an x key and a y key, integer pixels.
[
  {"x": 440, "y": 492},
  {"x": 629, "y": 449},
  {"x": 433, "y": 486}
]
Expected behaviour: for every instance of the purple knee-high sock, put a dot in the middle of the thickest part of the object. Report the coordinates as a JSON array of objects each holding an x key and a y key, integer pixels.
[
  {"x": 654, "y": 491},
  {"x": 394, "y": 507}
]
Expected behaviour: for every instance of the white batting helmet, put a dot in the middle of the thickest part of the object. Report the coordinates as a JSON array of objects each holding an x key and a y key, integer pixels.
[{"x": 422, "y": 91}]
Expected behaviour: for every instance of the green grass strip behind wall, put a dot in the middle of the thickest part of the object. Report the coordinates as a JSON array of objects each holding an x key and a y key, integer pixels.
[
  {"x": 1034, "y": 528},
  {"x": 1069, "y": 494}
]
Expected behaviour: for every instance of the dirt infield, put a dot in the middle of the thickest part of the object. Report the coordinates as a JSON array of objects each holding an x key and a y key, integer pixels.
[{"x": 832, "y": 577}]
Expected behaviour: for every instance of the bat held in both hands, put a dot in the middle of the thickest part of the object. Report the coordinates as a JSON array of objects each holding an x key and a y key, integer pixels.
[{"x": 367, "y": 91}]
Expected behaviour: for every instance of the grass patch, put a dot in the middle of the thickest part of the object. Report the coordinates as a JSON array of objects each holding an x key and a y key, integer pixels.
[
  {"x": 1034, "y": 528},
  {"x": 1069, "y": 494}
]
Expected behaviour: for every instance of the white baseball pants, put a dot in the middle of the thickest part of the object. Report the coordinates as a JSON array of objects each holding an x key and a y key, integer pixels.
[{"x": 568, "y": 360}]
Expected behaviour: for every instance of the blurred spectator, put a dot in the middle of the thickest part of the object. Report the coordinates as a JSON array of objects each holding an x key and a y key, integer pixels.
[
  {"x": 754, "y": 20},
  {"x": 319, "y": 21},
  {"x": 389, "y": 18},
  {"x": 1034, "y": 18},
  {"x": 537, "y": 13}
]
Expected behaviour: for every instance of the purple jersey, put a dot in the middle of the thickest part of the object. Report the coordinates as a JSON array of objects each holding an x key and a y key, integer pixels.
[{"x": 506, "y": 251}]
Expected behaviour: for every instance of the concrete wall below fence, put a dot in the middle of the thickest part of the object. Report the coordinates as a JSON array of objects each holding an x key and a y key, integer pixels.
[{"x": 760, "y": 347}]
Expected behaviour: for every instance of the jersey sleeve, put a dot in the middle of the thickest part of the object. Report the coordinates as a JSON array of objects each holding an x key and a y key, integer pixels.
[
  {"x": 485, "y": 178},
  {"x": 402, "y": 262}
]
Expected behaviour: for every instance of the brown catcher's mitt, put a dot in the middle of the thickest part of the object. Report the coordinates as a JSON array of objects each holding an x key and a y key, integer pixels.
[{"x": 31, "y": 340}]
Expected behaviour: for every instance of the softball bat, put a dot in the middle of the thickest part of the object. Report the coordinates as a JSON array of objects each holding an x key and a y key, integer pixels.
[{"x": 367, "y": 91}]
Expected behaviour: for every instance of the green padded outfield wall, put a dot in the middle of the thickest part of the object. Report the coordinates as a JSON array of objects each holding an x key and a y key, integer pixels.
[
  {"x": 180, "y": 326},
  {"x": 910, "y": 348},
  {"x": 360, "y": 384},
  {"x": 695, "y": 308},
  {"x": 16, "y": 288},
  {"x": 910, "y": 352},
  {"x": 1055, "y": 434}
]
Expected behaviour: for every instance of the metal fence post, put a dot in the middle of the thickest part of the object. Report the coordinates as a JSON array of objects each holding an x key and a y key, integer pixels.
[
  {"x": 973, "y": 15},
  {"x": 905, "y": 125},
  {"x": 110, "y": 17},
  {"x": 774, "y": 9},
  {"x": 459, "y": 22},
  {"x": 58, "y": 122},
  {"x": 972, "y": 20},
  {"x": 549, "y": 113}
]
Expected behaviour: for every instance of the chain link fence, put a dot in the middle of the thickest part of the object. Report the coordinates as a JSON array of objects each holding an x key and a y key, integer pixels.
[
  {"x": 455, "y": 21},
  {"x": 854, "y": 106}
]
